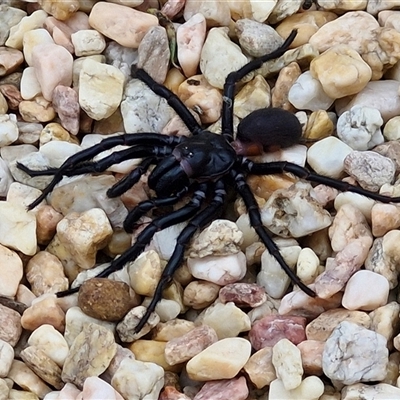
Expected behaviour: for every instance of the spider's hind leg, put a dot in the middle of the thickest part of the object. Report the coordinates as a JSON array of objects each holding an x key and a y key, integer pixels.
[
  {"x": 197, "y": 222},
  {"x": 277, "y": 167},
  {"x": 183, "y": 214},
  {"x": 256, "y": 223}
]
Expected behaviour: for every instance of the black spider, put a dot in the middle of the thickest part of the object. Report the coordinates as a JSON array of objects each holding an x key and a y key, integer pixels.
[{"x": 203, "y": 165}]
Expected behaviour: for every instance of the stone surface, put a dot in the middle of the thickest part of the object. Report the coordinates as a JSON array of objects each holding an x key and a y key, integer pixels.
[
  {"x": 105, "y": 299},
  {"x": 221, "y": 360},
  {"x": 269, "y": 330},
  {"x": 89, "y": 355},
  {"x": 132, "y": 24},
  {"x": 362, "y": 368}
]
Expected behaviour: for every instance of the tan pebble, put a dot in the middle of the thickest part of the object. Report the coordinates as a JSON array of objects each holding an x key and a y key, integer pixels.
[
  {"x": 36, "y": 110},
  {"x": 51, "y": 341},
  {"x": 24, "y": 377},
  {"x": 200, "y": 294},
  {"x": 228, "y": 320},
  {"x": 10, "y": 325},
  {"x": 47, "y": 219},
  {"x": 215, "y": 12},
  {"x": 166, "y": 331},
  {"x": 100, "y": 97},
  {"x": 311, "y": 356},
  {"x": 286, "y": 78},
  {"x": 11, "y": 273},
  {"x": 341, "y": 71},
  {"x": 319, "y": 126},
  {"x": 28, "y": 23},
  {"x": 44, "y": 310},
  {"x": 76, "y": 319},
  {"x": 201, "y": 97},
  {"x": 105, "y": 299},
  {"x": 384, "y": 218},
  {"x": 45, "y": 273},
  {"x": 24, "y": 295},
  {"x": 260, "y": 369},
  {"x": 254, "y": 95},
  {"x": 286, "y": 358},
  {"x": 84, "y": 234},
  {"x": 145, "y": 273},
  {"x": 89, "y": 355},
  {"x": 185, "y": 347},
  {"x": 60, "y": 10},
  {"x": 43, "y": 366},
  {"x": 132, "y": 24},
  {"x": 306, "y": 24},
  {"x": 54, "y": 131},
  {"x": 174, "y": 79},
  {"x": 321, "y": 327},
  {"x": 222, "y": 360},
  {"x": 153, "y": 351}
]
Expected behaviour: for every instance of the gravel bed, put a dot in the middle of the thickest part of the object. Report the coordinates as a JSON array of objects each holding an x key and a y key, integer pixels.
[{"x": 231, "y": 324}]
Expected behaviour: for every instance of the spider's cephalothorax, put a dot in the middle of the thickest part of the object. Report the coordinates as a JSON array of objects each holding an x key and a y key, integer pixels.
[{"x": 201, "y": 166}]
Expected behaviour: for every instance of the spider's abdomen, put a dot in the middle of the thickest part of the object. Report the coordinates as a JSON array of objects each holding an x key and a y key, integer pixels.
[{"x": 270, "y": 127}]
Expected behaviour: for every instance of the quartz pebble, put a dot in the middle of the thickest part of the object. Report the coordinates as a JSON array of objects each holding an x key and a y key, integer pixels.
[
  {"x": 358, "y": 297},
  {"x": 221, "y": 360},
  {"x": 269, "y": 330},
  {"x": 132, "y": 24},
  {"x": 187, "y": 346},
  {"x": 94, "y": 347},
  {"x": 360, "y": 128},
  {"x": 233, "y": 389},
  {"x": 369, "y": 361},
  {"x": 10, "y": 328},
  {"x": 220, "y": 270}
]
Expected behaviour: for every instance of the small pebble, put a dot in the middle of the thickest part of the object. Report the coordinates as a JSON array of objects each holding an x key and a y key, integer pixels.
[
  {"x": 358, "y": 296},
  {"x": 222, "y": 360},
  {"x": 105, "y": 299}
]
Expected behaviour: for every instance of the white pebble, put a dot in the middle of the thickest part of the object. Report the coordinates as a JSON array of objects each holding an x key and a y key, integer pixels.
[{"x": 358, "y": 294}]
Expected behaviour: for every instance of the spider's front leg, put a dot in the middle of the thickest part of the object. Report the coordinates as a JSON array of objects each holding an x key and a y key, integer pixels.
[
  {"x": 256, "y": 223},
  {"x": 79, "y": 163}
]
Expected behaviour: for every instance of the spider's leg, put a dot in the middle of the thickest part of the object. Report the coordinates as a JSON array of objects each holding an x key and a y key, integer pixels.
[
  {"x": 277, "y": 167},
  {"x": 145, "y": 206},
  {"x": 199, "y": 221},
  {"x": 173, "y": 100},
  {"x": 99, "y": 166},
  {"x": 144, "y": 238},
  {"x": 130, "y": 179},
  {"x": 129, "y": 139},
  {"x": 235, "y": 76},
  {"x": 256, "y": 223}
]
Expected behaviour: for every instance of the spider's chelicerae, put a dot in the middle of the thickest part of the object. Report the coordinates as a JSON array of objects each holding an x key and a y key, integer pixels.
[{"x": 202, "y": 165}]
